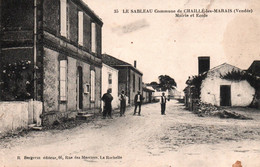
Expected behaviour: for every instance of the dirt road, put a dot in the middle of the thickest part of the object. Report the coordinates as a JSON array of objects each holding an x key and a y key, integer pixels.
[{"x": 177, "y": 139}]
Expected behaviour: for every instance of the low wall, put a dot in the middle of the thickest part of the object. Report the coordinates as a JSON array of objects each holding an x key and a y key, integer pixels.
[{"x": 18, "y": 115}]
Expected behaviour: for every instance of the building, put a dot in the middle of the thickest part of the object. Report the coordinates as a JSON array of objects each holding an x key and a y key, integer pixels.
[
  {"x": 148, "y": 94},
  {"x": 255, "y": 68},
  {"x": 129, "y": 77},
  {"x": 222, "y": 92},
  {"x": 62, "y": 39},
  {"x": 110, "y": 81}
]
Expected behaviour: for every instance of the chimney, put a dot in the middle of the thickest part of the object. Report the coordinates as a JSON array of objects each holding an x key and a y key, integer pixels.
[
  {"x": 135, "y": 63},
  {"x": 204, "y": 64}
]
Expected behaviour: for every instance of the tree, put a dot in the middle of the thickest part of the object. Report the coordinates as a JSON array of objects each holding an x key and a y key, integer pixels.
[
  {"x": 154, "y": 85},
  {"x": 166, "y": 82}
]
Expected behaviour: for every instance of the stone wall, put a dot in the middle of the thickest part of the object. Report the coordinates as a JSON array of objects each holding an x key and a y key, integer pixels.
[{"x": 18, "y": 115}]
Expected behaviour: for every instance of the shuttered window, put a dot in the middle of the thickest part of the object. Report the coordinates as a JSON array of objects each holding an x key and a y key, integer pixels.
[
  {"x": 80, "y": 28},
  {"x": 63, "y": 18},
  {"x": 93, "y": 85},
  {"x": 93, "y": 38},
  {"x": 63, "y": 80}
]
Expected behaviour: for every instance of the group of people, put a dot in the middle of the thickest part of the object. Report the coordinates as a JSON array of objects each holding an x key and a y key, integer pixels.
[{"x": 138, "y": 100}]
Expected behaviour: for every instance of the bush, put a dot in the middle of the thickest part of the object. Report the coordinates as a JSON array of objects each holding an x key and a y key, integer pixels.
[{"x": 16, "y": 81}]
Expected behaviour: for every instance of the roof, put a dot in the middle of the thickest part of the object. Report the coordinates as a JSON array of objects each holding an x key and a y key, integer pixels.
[
  {"x": 114, "y": 62},
  {"x": 148, "y": 89},
  {"x": 89, "y": 11},
  {"x": 222, "y": 65},
  {"x": 255, "y": 67}
]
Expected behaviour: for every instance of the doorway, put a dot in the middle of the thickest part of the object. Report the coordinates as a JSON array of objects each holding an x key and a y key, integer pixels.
[
  {"x": 225, "y": 95},
  {"x": 79, "y": 88}
]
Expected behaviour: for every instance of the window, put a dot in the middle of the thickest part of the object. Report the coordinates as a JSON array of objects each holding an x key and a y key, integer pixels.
[
  {"x": 93, "y": 38},
  {"x": 63, "y": 80},
  {"x": 133, "y": 82},
  {"x": 63, "y": 18},
  {"x": 80, "y": 28},
  {"x": 110, "y": 81},
  {"x": 139, "y": 84},
  {"x": 93, "y": 81}
]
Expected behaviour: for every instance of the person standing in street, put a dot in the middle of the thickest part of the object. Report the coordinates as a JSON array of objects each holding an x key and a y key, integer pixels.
[
  {"x": 138, "y": 102},
  {"x": 163, "y": 103},
  {"x": 122, "y": 99},
  {"x": 107, "y": 98}
]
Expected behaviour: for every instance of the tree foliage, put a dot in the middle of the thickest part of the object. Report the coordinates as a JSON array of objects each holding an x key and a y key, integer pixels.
[
  {"x": 234, "y": 75},
  {"x": 166, "y": 82}
]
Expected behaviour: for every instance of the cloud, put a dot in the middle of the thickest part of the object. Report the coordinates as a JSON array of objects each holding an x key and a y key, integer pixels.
[{"x": 129, "y": 28}]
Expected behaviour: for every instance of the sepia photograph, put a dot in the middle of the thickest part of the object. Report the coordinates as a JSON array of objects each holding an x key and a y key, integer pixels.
[{"x": 129, "y": 83}]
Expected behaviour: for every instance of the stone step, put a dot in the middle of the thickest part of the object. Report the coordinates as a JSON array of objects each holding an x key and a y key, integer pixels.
[
  {"x": 85, "y": 116},
  {"x": 37, "y": 128},
  {"x": 82, "y": 112},
  {"x": 31, "y": 125}
]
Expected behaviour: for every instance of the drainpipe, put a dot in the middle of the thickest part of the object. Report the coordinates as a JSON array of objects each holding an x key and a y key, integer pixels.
[{"x": 35, "y": 51}]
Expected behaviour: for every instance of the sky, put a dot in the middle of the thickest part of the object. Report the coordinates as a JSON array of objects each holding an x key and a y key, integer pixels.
[{"x": 163, "y": 44}]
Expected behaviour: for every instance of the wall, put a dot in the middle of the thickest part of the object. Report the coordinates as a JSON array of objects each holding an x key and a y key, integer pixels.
[
  {"x": 51, "y": 23},
  {"x": 51, "y": 80},
  {"x": 133, "y": 92},
  {"x": 17, "y": 115},
  {"x": 105, "y": 70},
  {"x": 241, "y": 92},
  {"x": 51, "y": 83}
]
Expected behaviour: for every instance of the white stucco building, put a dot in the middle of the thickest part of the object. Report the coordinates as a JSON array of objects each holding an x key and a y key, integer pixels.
[
  {"x": 221, "y": 92},
  {"x": 110, "y": 81}
]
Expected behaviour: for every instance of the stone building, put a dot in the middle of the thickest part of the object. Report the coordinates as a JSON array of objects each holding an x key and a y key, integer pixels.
[
  {"x": 63, "y": 40},
  {"x": 129, "y": 77},
  {"x": 222, "y": 92}
]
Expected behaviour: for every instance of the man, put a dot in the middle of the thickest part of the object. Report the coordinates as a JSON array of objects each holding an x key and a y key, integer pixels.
[
  {"x": 107, "y": 98},
  {"x": 163, "y": 103},
  {"x": 138, "y": 102},
  {"x": 122, "y": 99}
]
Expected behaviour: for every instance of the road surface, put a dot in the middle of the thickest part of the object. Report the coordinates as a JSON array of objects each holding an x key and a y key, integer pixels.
[{"x": 177, "y": 139}]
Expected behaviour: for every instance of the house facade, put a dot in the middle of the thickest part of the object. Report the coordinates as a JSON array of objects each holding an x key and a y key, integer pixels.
[
  {"x": 110, "y": 81},
  {"x": 62, "y": 39},
  {"x": 222, "y": 92},
  {"x": 129, "y": 77}
]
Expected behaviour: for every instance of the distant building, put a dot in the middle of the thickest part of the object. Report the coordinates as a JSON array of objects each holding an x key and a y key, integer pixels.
[
  {"x": 110, "y": 81},
  {"x": 63, "y": 40},
  {"x": 148, "y": 94},
  {"x": 129, "y": 77}
]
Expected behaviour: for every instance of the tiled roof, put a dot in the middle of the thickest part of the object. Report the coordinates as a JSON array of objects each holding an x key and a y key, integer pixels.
[{"x": 114, "y": 62}]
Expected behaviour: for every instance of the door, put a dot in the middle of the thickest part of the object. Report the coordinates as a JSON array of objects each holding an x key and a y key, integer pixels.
[
  {"x": 80, "y": 89},
  {"x": 225, "y": 95}
]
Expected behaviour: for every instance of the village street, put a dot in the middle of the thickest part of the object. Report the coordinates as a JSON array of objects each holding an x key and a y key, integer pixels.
[{"x": 177, "y": 139}]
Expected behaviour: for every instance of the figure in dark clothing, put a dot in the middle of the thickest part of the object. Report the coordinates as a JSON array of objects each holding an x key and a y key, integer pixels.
[
  {"x": 122, "y": 99},
  {"x": 107, "y": 98},
  {"x": 138, "y": 102},
  {"x": 163, "y": 103}
]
